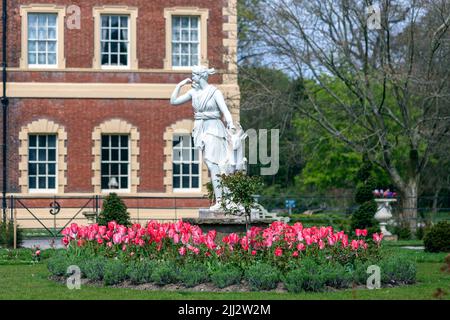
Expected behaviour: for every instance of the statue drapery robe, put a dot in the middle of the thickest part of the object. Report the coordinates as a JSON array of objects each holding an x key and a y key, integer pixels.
[{"x": 209, "y": 132}]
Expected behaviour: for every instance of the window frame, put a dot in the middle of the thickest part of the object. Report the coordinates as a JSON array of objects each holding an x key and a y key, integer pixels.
[
  {"x": 128, "y": 190},
  {"x": 199, "y": 32},
  {"x": 199, "y": 162},
  {"x": 203, "y": 15},
  {"x": 132, "y": 14},
  {"x": 60, "y": 12},
  {"x": 39, "y": 190},
  {"x": 112, "y": 67}
]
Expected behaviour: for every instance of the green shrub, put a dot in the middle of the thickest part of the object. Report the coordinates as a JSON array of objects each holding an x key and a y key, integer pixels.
[
  {"x": 58, "y": 264},
  {"x": 307, "y": 277},
  {"x": 226, "y": 275},
  {"x": 115, "y": 272},
  {"x": 94, "y": 269},
  {"x": 262, "y": 276},
  {"x": 193, "y": 274},
  {"x": 114, "y": 210},
  {"x": 164, "y": 273},
  {"x": 363, "y": 217},
  {"x": 438, "y": 238},
  {"x": 7, "y": 235},
  {"x": 336, "y": 276},
  {"x": 360, "y": 274},
  {"x": 140, "y": 271},
  {"x": 403, "y": 232},
  {"x": 395, "y": 270}
]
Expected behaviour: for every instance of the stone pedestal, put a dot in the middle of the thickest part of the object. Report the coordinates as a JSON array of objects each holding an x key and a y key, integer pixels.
[
  {"x": 216, "y": 220},
  {"x": 383, "y": 214}
]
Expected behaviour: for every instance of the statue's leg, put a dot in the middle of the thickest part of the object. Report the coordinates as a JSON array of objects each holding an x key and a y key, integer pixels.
[{"x": 214, "y": 171}]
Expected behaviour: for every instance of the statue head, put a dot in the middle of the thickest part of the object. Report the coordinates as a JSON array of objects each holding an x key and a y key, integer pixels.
[{"x": 200, "y": 75}]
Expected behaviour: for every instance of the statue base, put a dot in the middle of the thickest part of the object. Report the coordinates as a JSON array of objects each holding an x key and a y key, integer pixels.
[{"x": 216, "y": 220}]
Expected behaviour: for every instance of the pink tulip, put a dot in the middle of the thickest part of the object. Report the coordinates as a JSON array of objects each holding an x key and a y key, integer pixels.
[
  {"x": 321, "y": 244},
  {"x": 301, "y": 247},
  {"x": 354, "y": 245},
  {"x": 253, "y": 252},
  {"x": 295, "y": 254},
  {"x": 117, "y": 238},
  {"x": 278, "y": 252}
]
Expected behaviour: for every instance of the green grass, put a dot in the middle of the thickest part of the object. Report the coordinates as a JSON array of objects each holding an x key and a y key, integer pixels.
[{"x": 31, "y": 282}]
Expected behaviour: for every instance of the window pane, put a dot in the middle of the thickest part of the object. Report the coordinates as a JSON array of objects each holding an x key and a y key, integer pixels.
[
  {"x": 42, "y": 141},
  {"x": 32, "y": 182},
  {"x": 114, "y": 169},
  {"x": 42, "y": 46},
  {"x": 123, "y": 48},
  {"x": 42, "y": 184},
  {"x": 184, "y": 35},
  {"x": 42, "y": 169},
  {"x": 51, "y": 168},
  {"x": 52, "y": 141},
  {"x": 114, "y": 47},
  {"x": 32, "y": 35},
  {"x": 51, "y": 155},
  {"x": 51, "y": 34},
  {"x": 195, "y": 182},
  {"x": 124, "y": 154},
  {"x": 124, "y": 168},
  {"x": 51, "y": 182},
  {"x": 176, "y": 182},
  {"x": 123, "y": 22},
  {"x": 32, "y": 155},
  {"x": 52, "y": 20},
  {"x": 32, "y": 21},
  {"x": 186, "y": 154},
  {"x": 114, "y": 60},
  {"x": 32, "y": 169},
  {"x": 105, "y": 181},
  {"x": 32, "y": 58},
  {"x": 114, "y": 141},
  {"x": 32, "y": 140},
  {"x": 105, "y": 34},
  {"x": 105, "y": 21},
  {"x": 186, "y": 182},
  {"x": 105, "y": 154},
  {"x": 185, "y": 22},
  {"x": 195, "y": 168},
  {"x": 124, "y": 34},
  {"x": 176, "y": 169},
  {"x": 41, "y": 58},
  {"x": 105, "y": 169},
  {"x": 124, "y": 183},
  {"x": 185, "y": 168},
  {"x": 105, "y": 141},
  {"x": 42, "y": 33},
  {"x": 176, "y": 155},
  {"x": 184, "y": 61},
  {"x": 114, "y": 21},
  {"x": 42, "y": 155},
  {"x": 124, "y": 141},
  {"x": 31, "y": 46},
  {"x": 51, "y": 58}
]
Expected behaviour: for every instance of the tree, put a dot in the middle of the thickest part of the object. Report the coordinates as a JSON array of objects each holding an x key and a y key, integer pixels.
[
  {"x": 396, "y": 88},
  {"x": 114, "y": 210}
]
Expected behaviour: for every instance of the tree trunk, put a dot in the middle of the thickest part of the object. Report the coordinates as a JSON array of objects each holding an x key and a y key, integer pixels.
[{"x": 409, "y": 201}]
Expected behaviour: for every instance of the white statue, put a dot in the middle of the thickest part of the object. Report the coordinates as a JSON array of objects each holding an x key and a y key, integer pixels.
[{"x": 221, "y": 148}]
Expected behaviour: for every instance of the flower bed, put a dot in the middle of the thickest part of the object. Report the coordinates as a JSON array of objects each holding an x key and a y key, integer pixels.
[{"x": 310, "y": 259}]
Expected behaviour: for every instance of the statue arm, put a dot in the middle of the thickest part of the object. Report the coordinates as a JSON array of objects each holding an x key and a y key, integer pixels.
[
  {"x": 175, "y": 100},
  {"x": 224, "y": 109}
]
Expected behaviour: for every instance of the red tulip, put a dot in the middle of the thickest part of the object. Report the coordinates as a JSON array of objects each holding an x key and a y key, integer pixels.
[{"x": 278, "y": 252}]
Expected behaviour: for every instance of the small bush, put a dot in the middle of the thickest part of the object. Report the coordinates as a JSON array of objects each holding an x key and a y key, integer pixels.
[
  {"x": 115, "y": 272},
  {"x": 94, "y": 269},
  {"x": 262, "y": 276},
  {"x": 7, "y": 235},
  {"x": 164, "y": 273},
  {"x": 140, "y": 271},
  {"x": 307, "y": 277},
  {"x": 403, "y": 232},
  {"x": 360, "y": 274},
  {"x": 58, "y": 264},
  {"x": 226, "y": 275},
  {"x": 193, "y": 274},
  {"x": 395, "y": 270},
  {"x": 438, "y": 238},
  {"x": 336, "y": 276},
  {"x": 114, "y": 209}
]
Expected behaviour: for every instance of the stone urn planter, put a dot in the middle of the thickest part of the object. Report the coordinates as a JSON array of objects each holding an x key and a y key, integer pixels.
[
  {"x": 384, "y": 214},
  {"x": 90, "y": 216}
]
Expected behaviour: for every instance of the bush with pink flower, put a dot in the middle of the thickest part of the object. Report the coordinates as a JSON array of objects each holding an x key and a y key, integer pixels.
[{"x": 280, "y": 246}]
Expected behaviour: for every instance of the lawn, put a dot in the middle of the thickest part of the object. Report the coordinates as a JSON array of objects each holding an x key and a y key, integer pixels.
[{"x": 30, "y": 281}]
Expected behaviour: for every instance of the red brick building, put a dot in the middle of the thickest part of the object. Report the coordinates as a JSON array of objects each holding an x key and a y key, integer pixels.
[{"x": 89, "y": 83}]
